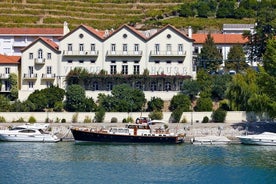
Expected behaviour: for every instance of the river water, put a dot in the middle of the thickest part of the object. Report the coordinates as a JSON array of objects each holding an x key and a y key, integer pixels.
[{"x": 67, "y": 162}]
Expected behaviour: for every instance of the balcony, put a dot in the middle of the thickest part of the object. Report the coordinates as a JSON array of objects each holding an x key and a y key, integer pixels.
[
  {"x": 48, "y": 76},
  {"x": 167, "y": 53},
  {"x": 124, "y": 53},
  {"x": 80, "y": 53},
  {"x": 30, "y": 76},
  {"x": 4, "y": 75},
  {"x": 39, "y": 61}
]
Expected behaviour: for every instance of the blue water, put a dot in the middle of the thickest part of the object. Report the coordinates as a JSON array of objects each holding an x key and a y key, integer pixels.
[{"x": 67, "y": 162}]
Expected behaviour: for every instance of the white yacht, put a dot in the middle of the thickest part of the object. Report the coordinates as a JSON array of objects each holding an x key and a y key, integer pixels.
[
  {"x": 210, "y": 140},
  {"x": 27, "y": 134},
  {"x": 265, "y": 138}
]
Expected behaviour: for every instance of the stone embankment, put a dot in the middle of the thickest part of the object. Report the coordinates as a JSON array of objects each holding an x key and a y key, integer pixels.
[{"x": 230, "y": 130}]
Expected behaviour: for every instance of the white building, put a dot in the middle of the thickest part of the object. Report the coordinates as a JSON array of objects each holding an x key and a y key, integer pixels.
[{"x": 167, "y": 52}]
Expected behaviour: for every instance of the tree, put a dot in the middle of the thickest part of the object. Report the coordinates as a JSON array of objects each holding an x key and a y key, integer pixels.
[
  {"x": 210, "y": 58},
  {"x": 75, "y": 98},
  {"x": 155, "y": 104},
  {"x": 204, "y": 104},
  {"x": 219, "y": 86},
  {"x": 39, "y": 100},
  {"x": 226, "y": 9},
  {"x": 4, "y": 104},
  {"x": 203, "y": 9},
  {"x": 186, "y": 10},
  {"x": 53, "y": 94},
  {"x": 14, "y": 87},
  {"x": 180, "y": 101},
  {"x": 236, "y": 59},
  {"x": 190, "y": 88},
  {"x": 270, "y": 58}
]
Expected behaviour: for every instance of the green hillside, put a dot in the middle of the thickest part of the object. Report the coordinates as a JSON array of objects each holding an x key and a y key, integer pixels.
[{"x": 101, "y": 14}]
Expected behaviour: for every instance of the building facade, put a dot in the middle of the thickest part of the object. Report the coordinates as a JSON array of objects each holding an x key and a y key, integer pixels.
[{"x": 167, "y": 56}]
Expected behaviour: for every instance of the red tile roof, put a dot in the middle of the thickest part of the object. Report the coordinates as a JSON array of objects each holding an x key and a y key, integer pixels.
[
  {"x": 31, "y": 31},
  {"x": 47, "y": 41},
  {"x": 9, "y": 59},
  {"x": 220, "y": 38}
]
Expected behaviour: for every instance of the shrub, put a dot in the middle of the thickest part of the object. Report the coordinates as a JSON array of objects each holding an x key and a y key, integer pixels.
[
  {"x": 219, "y": 115},
  {"x": 63, "y": 120},
  {"x": 2, "y": 119},
  {"x": 75, "y": 118},
  {"x": 114, "y": 120},
  {"x": 176, "y": 115},
  {"x": 184, "y": 120},
  {"x": 20, "y": 120},
  {"x": 129, "y": 120},
  {"x": 57, "y": 120},
  {"x": 58, "y": 107},
  {"x": 156, "y": 115},
  {"x": 205, "y": 119},
  {"x": 124, "y": 120},
  {"x": 87, "y": 119},
  {"x": 99, "y": 115},
  {"x": 32, "y": 119}
]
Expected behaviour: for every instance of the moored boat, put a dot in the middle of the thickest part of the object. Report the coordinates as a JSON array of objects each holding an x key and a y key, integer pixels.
[
  {"x": 27, "y": 134},
  {"x": 264, "y": 139},
  {"x": 210, "y": 140},
  {"x": 131, "y": 133}
]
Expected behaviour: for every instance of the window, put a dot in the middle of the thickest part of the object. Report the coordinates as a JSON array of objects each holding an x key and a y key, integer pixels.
[
  {"x": 70, "y": 61},
  {"x": 168, "y": 86},
  {"x": 49, "y": 56},
  {"x": 138, "y": 85},
  {"x": 81, "y": 47},
  {"x": 113, "y": 47},
  {"x": 136, "y": 69},
  {"x": 124, "y": 69},
  {"x": 7, "y": 86},
  {"x": 80, "y": 61},
  {"x": 168, "y": 62},
  {"x": 157, "y": 61},
  {"x": 31, "y": 56},
  {"x": 109, "y": 86},
  {"x": 125, "y": 47},
  {"x": 92, "y": 61},
  {"x": 95, "y": 86},
  {"x": 49, "y": 70},
  {"x": 31, "y": 85},
  {"x": 113, "y": 69},
  {"x": 196, "y": 51},
  {"x": 40, "y": 54},
  {"x": 93, "y": 47},
  {"x": 180, "y": 48},
  {"x": 157, "y": 48},
  {"x": 7, "y": 70},
  {"x": 136, "y": 47},
  {"x": 124, "y": 61},
  {"x": 169, "y": 48},
  {"x": 31, "y": 70},
  {"x": 180, "y": 62},
  {"x": 153, "y": 86},
  {"x": 70, "y": 47},
  {"x": 49, "y": 84}
]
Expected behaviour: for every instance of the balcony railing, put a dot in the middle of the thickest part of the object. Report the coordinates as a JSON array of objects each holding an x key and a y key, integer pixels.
[
  {"x": 80, "y": 53},
  {"x": 4, "y": 76},
  {"x": 124, "y": 53},
  {"x": 39, "y": 61},
  {"x": 167, "y": 53},
  {"x": 30, "y": 76},
  {"x": 48, "y": 76}
]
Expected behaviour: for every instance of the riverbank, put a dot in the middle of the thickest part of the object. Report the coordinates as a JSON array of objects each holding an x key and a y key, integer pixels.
[{"x": 229, "y": 130}]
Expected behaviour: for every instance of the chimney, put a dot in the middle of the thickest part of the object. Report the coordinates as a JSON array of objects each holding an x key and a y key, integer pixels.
[
  {"x": 65, "y": 28},
  {"x": 190, "y": 32}
]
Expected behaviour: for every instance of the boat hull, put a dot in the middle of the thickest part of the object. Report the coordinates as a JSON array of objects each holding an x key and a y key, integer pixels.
[
  {"x": 262, "y": 142},
  {"x": 97, "y": 137},
  {"x": 27, "y": 138}
]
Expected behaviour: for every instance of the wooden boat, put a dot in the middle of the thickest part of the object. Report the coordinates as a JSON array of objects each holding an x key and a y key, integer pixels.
[{"x": 131, "y": 133}]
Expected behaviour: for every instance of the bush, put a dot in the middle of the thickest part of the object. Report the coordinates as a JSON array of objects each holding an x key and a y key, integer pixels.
[
  {"x": 75, "y": 118},
  {"x": 219, "y": 115},
  {"x": 87, "y": 119},
  {"x": 99, "y": 115},
  {"x": 114, "y": 120},
  {"x": 63, "y": 120},
  {"x": 57, "y": 120},
  {"x": 20, "y": 120},
  {"x": 124, "y": 120},
  {"x": 205, "y": 119},
  {"x": 129, "y": 120},
  {"x": 184, "y": 120},
  {"x": 156, "y": 115},
  {"x": 2, "y": 119},
  {"x": 32, "y": 119},
  {"x": 176, "y": 115}
]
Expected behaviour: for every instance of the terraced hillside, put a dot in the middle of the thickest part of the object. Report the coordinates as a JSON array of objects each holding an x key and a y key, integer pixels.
[{"x": 101, "y": 14}]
